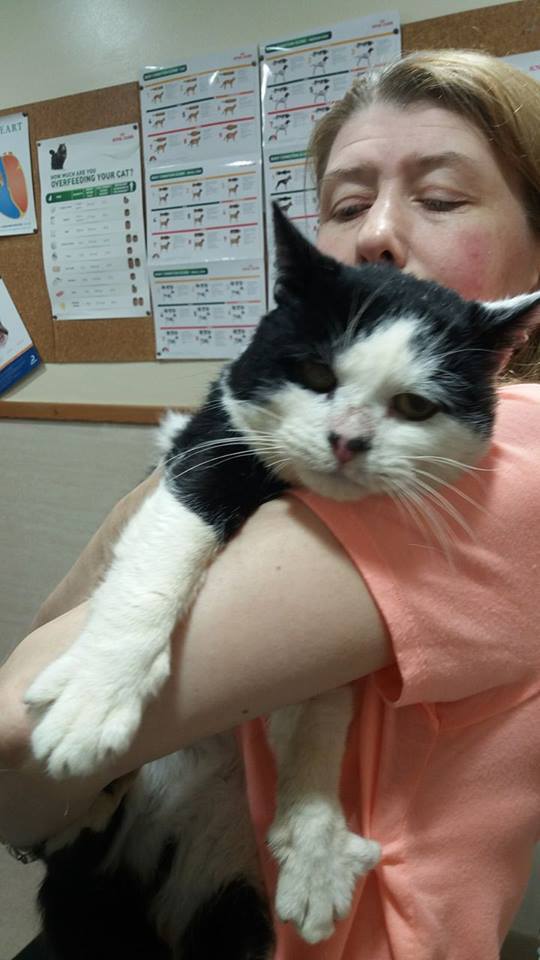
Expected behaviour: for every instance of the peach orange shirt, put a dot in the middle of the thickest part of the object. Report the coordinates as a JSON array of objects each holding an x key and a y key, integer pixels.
[{"x": 442, "y": 765}]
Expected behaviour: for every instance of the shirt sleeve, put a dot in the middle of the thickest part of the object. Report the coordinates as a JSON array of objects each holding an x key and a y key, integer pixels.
[{"x": 460, "y": 601}]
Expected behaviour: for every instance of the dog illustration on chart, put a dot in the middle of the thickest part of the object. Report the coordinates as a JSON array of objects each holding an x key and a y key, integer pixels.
[
  {"x": 279, "y": 97},
  {"x": 362, "y": 53},
  {"x": 319, "y": 89},
  {"x": 227, "y": 78},
  {"x": 279, "y": 125},
  {"x": 283, "y": 178},
  {"x": 279, "y": 69},
  {"x": 318, "y": 60},
  {"x": 231, "y": 131}
]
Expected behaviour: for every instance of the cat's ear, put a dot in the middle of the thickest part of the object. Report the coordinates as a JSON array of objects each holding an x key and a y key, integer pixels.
[
  {"x": 506, "y": 324},
  {"x": 299, "y": 265}
]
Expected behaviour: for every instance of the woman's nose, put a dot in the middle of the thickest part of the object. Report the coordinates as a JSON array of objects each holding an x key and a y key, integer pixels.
[{"x": 381, "y": 237}]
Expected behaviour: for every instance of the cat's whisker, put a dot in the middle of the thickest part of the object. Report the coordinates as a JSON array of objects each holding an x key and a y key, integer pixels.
[
  {"x": 445, "y": 505},
  {"x": 221, "y": 442},
  {"x": 406, "y": 502},
  {"x": 465, "y": 467},
  {"x": 203, "y": 463},
  {"x": 276, "y": 463},
  {"x": 438, "y": 527},
  {"x": 451, "y": 486}
]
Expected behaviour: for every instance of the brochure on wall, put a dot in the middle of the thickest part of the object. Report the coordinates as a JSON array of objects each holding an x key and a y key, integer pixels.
[
  {"x": 93, "y": 225},
  {"x": 301, "y": 78},
  {"x": 17, "y": 209},
  {"x": 205, "y": 107},
  {"x": 18, "y": 355},
  {"x": 528, "y": 62},
  {"x": 209, "y": 210},
  {"x": 208, "y": 310}
]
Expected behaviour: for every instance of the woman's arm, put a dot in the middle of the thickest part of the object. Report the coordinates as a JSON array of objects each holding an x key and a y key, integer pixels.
[{"x": 283, "y": 616}]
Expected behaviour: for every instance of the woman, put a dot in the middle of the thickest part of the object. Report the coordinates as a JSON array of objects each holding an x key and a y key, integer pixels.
[{"x": 431, "y": 165}]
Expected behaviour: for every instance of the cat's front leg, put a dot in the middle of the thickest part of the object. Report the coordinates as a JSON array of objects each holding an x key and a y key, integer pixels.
[
  {"x": 319, "y": 858},
  {"x": 89, "y": 702}
]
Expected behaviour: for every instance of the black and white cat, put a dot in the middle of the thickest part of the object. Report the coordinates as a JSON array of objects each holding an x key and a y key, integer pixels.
[{"x": 361, "y": 380}]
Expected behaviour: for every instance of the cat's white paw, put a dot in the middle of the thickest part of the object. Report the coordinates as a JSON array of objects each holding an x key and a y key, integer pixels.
[
  {"x": 87, "y": 715},
  {"x": 320, "y": 861}
]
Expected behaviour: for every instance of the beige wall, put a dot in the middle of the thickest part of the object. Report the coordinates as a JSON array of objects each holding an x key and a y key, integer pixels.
[{"x": 49, "y": 48}]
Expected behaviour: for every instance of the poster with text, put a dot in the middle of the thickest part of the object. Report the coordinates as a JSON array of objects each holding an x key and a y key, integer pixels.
[
  {"x": 207, "y": 211},
  {"x": 208, "y": 106},
  {"x": 301, "y": 78},
  {"x": 17, "y": 208},
  {"x": 18, "y": 355},
  {"x": 94, "y": 245},
  {"x": 207, "y": 310}
]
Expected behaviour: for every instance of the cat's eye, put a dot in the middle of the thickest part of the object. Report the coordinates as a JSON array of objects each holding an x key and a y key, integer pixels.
[
  {"x": 316, "y": 376},
  {"x": 411, "y": 406}
]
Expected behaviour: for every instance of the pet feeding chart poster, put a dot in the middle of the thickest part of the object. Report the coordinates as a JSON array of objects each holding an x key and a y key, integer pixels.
[
  {"x": 528, "y": 62},
  {"x": 203, "y": 180},
  {"x": 93, "y": 227},
  {"x": 207, "y": 211},
  {"x": 290, "y": 184},
  {"x": 206, "y": 107},
  {"x": 207, "y": 311},
  {"x": 18, "y": 356},
  {"x": 301, "y": 78},
  {"x": 17, "y": 208}
]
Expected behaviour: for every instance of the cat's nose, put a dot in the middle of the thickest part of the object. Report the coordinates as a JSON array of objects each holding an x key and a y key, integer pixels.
[{"x": 345, "y": 448}]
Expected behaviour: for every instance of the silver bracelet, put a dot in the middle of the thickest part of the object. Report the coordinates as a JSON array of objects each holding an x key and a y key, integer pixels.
[{"x": 21, "y": 854}]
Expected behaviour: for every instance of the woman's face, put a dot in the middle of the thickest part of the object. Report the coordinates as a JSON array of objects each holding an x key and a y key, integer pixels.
[{"x": 421, "y": 187}]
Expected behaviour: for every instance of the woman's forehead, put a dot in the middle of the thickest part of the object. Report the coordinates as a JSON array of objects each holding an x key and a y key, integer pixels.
[{"x": 423, "y": 136}]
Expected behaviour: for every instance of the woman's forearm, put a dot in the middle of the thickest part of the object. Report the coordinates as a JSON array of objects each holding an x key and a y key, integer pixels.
[
  {"x": 283, "y": 616},
  {"x": 33, "y": 806}
]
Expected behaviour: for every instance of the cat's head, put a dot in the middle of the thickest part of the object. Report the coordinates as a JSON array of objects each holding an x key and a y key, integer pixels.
[{"x": 367, "y": 380}]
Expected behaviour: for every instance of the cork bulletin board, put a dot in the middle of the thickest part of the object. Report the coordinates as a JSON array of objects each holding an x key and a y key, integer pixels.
[
  {"x": 21, "y": 262},
  {"x": 503, "y": 30}
]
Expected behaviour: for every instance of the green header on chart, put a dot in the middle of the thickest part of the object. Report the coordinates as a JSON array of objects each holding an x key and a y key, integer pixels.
[
  {"x": 191, "y": 272},
  {"x": 298, "y": 42},
  {"x": 89, "y": 193},
  {"x": 169, "y": 72},
  {"x": 281, "y": 157},
  {"x": 192, "y": 172}
]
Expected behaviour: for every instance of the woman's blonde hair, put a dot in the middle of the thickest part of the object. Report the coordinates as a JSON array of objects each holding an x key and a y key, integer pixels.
[{"x": 502, "y": 102}]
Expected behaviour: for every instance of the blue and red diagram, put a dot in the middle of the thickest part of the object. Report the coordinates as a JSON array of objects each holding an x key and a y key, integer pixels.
[{"x": 13, "y": 193}]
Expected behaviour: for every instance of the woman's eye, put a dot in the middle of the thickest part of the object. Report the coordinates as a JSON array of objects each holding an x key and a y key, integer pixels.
[
  {"x": 441, "y": 206},
  {"x": 316, "y": 376},
  {"x": 412, "y": 406},
  {"x": 348, "y": 211}
]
